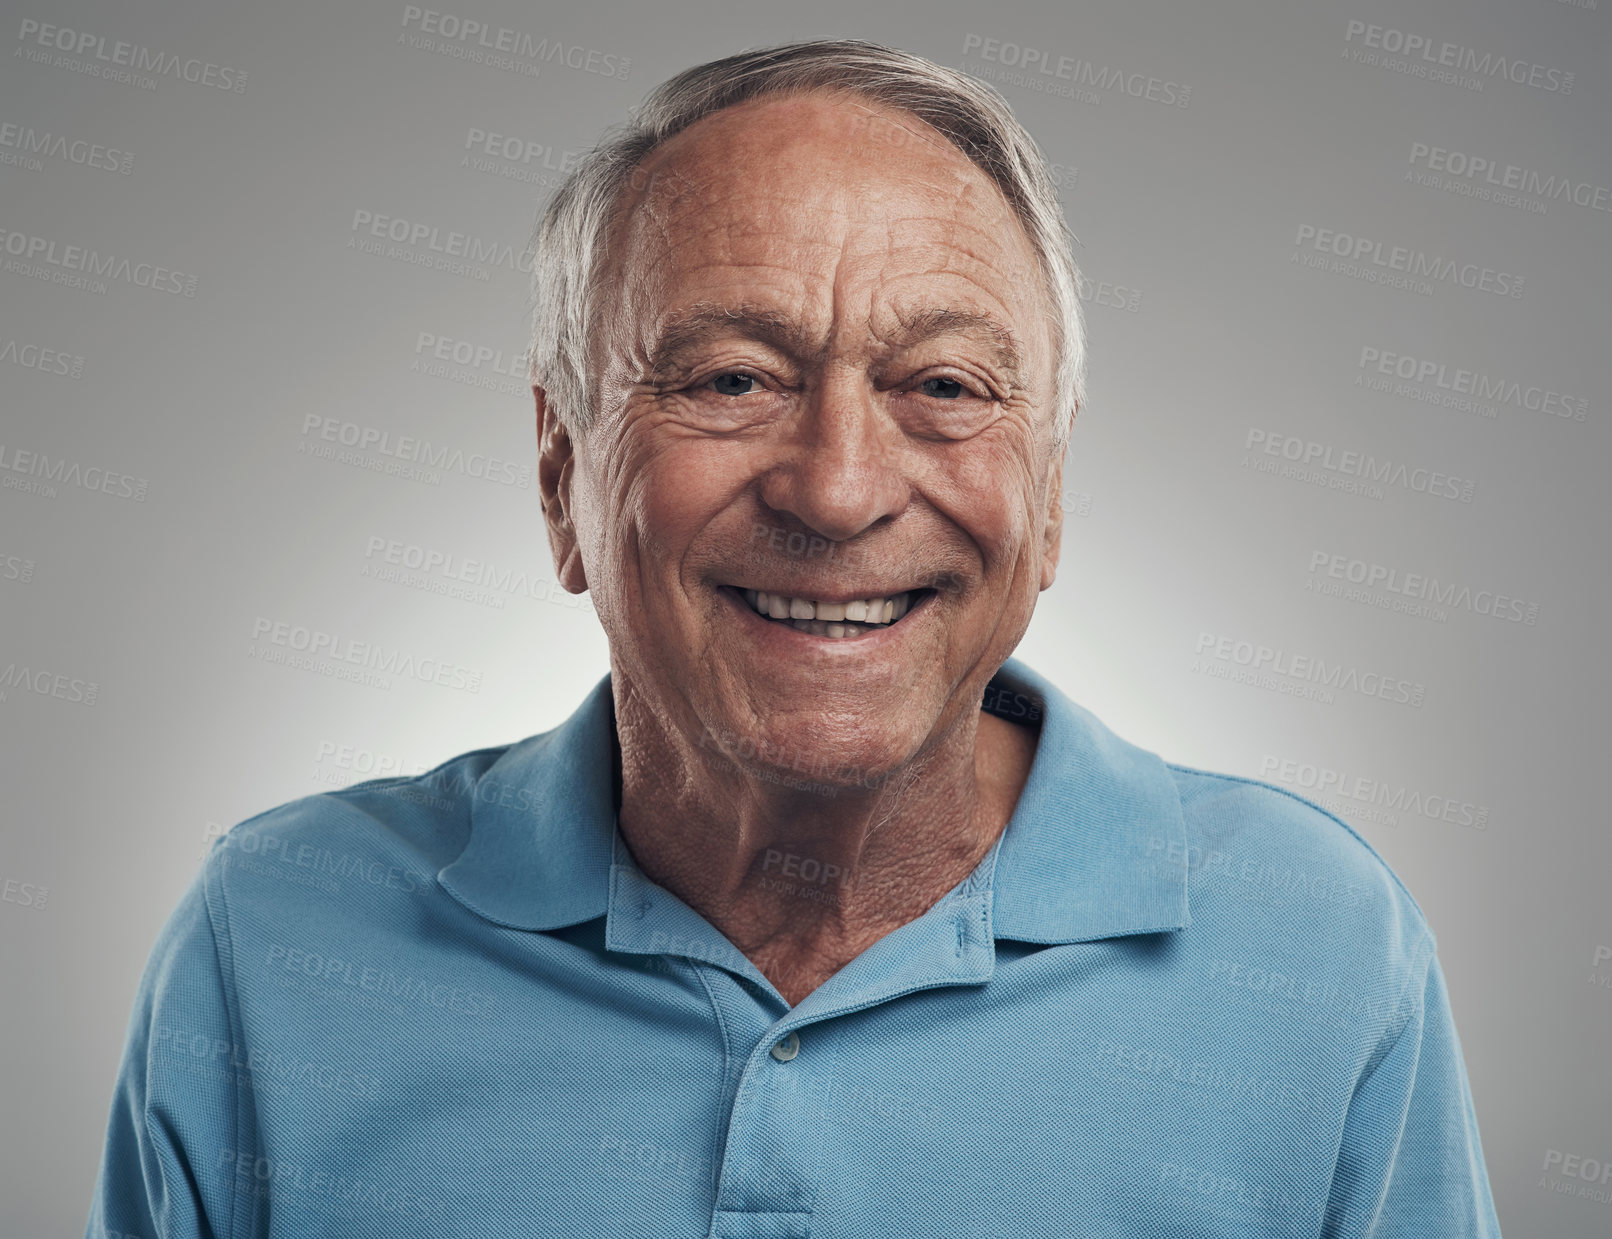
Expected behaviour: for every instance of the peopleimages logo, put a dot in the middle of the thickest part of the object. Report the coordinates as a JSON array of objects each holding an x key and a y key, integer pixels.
[
  {"x": 343, "y": 658},
  {"x": 322, "y": 435},
  {"x": 1438, "y": 383},
  {"x": 475, "y": 365},
  {"x": 1368, "y": 259},
  {"x": 1102, "y": 293},
  {"x": 517, "y": 159},
  {"x": 1491, "y": 180},
  {"x": 350, "y": 762},
  {"x": 1218, "y": 655},
  {"x": 1594, "y": 1175},
  {"x": 33, "y": 472},
  {"x": 24, "y": 145},
  {"x": 24, "y": 894},
  {"x": 1261, "y": 877},
  {"x": 1425, "y": 57},
  {"x": 1416, "y": 587},
  {"x": 328, "y": 1191},
  {"x": 262, "y": 1065},
  {"x": 1039, "y": 69},
  {"x": 17, "y": 568},
  {"x": 1324, "y": 783},
  {"x": 51, "y": 260},
  {"x": 45, "y": 360},
  {"x": 431, "y": 245},
  {"x": 454, "y": 576},
  {"x": 1307, "y": 460},
  {"x": 501, "y": 47},
  {"x": 43, "y": 683},
  {"x": 118, "y": 61}
]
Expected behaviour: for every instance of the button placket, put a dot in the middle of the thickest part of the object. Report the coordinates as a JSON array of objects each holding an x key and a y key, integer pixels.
[{"x": 772, "y": 1156}]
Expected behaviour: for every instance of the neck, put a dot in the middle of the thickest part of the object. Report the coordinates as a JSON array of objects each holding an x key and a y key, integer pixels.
[{"x": 804, "y": 877}]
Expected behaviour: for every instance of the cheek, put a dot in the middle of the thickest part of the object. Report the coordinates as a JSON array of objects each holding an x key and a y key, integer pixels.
[
  {"x": 993, "y": 504},
  {"x": 667, "y": 500}
]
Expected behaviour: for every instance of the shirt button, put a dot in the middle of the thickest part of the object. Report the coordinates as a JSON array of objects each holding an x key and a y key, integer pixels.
[{"x": 787, "y": 1048}]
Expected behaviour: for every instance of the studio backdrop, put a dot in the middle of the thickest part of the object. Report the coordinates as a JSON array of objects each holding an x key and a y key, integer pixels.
[{"x": 1337, "y": 515}]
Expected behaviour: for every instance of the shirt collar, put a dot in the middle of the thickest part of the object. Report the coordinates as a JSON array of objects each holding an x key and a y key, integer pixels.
[
  {"x": 1087, "y": 852},
  {"x": 1096, "y": 847},
  {"x": 542, "y": 823}
]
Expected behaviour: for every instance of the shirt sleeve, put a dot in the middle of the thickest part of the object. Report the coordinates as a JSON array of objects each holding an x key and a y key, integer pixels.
[
  {"x": 1411, "y": 1163},
  {"x": 171, "y": 1158}
]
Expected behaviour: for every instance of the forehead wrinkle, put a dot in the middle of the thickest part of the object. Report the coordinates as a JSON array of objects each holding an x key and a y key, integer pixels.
[
  {"x": 722, "y": 230},
  {"x": 967, "y": 235},
  {"x": 979, "y": 207},
  {"x": 984, "y": 274},
  {"x": 655, "y": 203}
]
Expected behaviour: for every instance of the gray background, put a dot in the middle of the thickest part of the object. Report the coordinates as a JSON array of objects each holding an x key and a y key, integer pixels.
[{"x": 1208, "y": 330}]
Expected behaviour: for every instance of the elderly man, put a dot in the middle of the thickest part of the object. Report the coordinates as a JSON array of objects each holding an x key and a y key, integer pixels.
[{"x": 820, "y": 917}]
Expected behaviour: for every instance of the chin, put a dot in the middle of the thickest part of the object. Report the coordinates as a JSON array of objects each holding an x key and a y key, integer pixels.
[{"x": 802, "y": 750}]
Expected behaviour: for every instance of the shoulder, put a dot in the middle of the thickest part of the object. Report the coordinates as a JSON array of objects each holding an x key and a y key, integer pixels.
[
  {"x": 376, "y": 837},
  {"x": 1258, "y": 856},
  {"x": 1270, "y": 822}
]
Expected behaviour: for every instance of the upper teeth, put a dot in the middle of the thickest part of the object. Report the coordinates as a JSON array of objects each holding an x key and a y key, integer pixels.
[{"x": 858, "y": 611}]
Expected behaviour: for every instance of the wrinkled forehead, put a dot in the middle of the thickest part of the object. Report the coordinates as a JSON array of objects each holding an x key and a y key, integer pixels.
[
  {"x": 774, "y": 124},
  {"x": 797, "y": 179},
  {"x": 783, "y": 145}
]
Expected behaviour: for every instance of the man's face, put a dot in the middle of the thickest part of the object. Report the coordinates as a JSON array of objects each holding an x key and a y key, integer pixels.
[{"x": 824, "y": 375}]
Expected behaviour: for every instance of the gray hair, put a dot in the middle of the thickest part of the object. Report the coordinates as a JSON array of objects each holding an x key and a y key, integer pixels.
[{"x": 569, "y": 248}]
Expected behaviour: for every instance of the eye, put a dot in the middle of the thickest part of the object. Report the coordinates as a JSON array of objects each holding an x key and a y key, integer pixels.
[
  {"x": 735, "y": 384},
  {"x": 942, "y": 388}
]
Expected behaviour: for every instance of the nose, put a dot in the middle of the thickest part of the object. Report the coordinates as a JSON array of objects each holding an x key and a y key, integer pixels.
[{"x": 843, "y": 468}]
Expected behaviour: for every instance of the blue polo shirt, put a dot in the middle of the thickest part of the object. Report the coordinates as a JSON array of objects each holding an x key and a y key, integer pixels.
[{"x": 1166, "y": 1003}]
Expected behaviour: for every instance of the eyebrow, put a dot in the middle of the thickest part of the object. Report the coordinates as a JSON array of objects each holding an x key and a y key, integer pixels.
[
  {"x": 685, "y": 333},
  {"x": 938, "y": 321}
]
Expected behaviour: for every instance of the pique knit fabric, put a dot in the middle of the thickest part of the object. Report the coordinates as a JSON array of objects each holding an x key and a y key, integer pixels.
[{"x": 1166, "y": 1003}]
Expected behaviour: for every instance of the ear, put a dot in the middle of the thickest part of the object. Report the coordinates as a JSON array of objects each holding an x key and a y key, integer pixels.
[
  {"x": 1052, "y": 530},
  {"x": 556, "y": 465}
]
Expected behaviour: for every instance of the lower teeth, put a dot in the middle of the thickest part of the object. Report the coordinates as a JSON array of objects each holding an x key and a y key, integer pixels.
[{"x": 820, "y": 628}]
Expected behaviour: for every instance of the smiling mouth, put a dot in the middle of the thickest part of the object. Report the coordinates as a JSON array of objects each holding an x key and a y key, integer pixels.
[{"x": 835, "y": 620}]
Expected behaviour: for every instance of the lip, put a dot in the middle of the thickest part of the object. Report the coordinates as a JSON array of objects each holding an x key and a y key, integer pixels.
[{"x": 792, "y": 637}]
